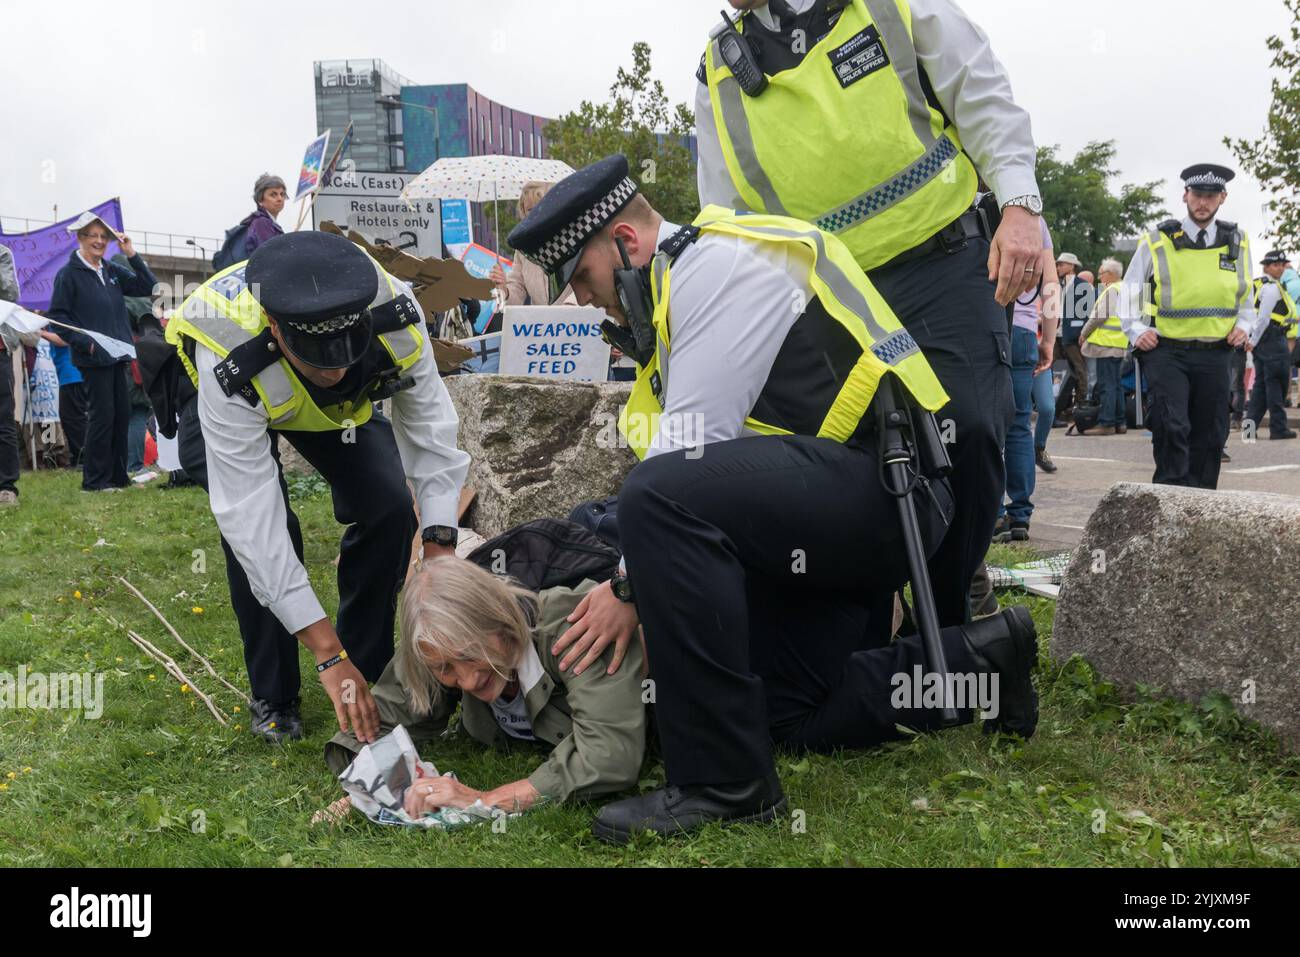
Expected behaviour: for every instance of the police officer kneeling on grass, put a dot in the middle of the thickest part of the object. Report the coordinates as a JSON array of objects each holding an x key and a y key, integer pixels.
[
  {"x": 300, "y": 341},
  {"x": 761, "y": 549}
]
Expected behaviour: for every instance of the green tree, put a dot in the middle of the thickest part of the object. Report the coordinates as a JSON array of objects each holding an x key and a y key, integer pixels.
[
  {"x": 1085, "y": 216},
  {"x": 639, "y": 122},
  {"x": 1274, "y": 158}
]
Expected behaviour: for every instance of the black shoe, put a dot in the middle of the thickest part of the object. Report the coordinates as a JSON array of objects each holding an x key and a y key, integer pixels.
[
  {"x": 1060, "y": 423},
  {"x": 675, "y": 810},
  {"x": 1002, "y": 530},
  {"x": 983, "y": 601},
  {"x": 1008, "y": 645},
  {"x": 1043, "y": 460},
  {"x": 276, "y": 722},
  {"x": 1288, "y": 434}
]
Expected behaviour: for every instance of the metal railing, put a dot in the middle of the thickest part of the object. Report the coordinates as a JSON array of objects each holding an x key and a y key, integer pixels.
[{"x": 180, "y": 245}]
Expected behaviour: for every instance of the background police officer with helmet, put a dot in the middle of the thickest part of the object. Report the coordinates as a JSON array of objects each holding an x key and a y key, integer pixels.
[
  {"x": 870, "y": 119},
  {"x": 299, "y": 342},
  {"x": 761, "y": 548},
  {"x": 1188, "y": 300}
]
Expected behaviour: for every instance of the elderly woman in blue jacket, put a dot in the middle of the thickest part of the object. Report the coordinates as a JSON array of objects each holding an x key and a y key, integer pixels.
[{"x": 89, "y": 292}]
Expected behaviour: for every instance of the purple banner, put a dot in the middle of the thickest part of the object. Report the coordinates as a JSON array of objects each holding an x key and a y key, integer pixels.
[{"x": 40, "y": 254}]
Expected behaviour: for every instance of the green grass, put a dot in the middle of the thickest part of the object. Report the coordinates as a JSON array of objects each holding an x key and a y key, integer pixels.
[{"x": 1179, "y": 784}]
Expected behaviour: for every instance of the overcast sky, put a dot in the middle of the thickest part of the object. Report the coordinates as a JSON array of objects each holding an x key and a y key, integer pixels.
[{"x": 176, "y": 107}]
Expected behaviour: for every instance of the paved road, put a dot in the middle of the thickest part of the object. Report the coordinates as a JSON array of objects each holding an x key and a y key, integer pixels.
[{"x": 1089, "y": 465}]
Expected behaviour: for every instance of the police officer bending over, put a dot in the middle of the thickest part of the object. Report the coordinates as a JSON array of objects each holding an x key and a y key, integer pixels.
[
  {"x": 299, "y": 341},
  {"x": 1187, "y": 303},
  {"x": 760, "y": 548}
]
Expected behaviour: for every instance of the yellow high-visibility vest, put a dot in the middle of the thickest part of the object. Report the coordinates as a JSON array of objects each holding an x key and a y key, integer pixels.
[
  {"x": 847, "y": 139},
  {"x": 1285, "y": 313},
  {"x": 1109, "y": 334},
  {"x": 876, "y": 344},
  {"x": 1196, "y": 293},
  {"x": 223, "y": 315}
]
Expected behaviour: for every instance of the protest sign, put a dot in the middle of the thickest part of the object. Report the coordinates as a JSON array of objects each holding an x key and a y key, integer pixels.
[
  {"x": 457, "y": 227},
  {"x": 479, "y": 261},
  {"x": 369, "y": 203},
  {"x": 313, "y": 160},
  {"x": 554, "y": 342},
  {"x": 41, "y": 253},
  {"x": 44, "y": 386}
]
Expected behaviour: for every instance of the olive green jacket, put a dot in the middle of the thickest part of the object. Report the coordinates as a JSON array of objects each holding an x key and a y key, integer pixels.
[{"x": 594, "y": 724}]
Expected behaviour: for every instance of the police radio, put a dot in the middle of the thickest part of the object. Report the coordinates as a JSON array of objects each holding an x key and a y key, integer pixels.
[
  {"x": 633, "y": 288},
  {"x": 739, "y": 56}
]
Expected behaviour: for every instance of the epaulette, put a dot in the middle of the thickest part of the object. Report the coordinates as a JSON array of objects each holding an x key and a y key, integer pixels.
[{"x": 237, "y": 370}]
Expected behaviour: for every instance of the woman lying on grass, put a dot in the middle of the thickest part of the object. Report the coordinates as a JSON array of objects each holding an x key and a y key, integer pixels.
[{"x": 469, "y": 636}]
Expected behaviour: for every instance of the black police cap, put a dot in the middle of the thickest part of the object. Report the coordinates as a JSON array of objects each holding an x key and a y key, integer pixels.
[
  {"x": 571, "y": 213},
  {"x": 318, "y": 287},
  {"x": 1273, "y": 257},
  {"x": 1208, "y": 177}
]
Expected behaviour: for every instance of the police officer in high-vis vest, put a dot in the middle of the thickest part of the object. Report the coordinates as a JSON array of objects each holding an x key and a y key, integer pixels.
[
  {"x": 1272, "y": 351},
  {"x": 761, "y": 551},
  {"x": 1188, "y": 301},
  {"x": 299, "y": 342},
  {"x": 869, "y": 119}
]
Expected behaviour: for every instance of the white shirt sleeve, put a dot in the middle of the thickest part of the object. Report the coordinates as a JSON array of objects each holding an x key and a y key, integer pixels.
[
  {"x": 244, "y": 490},
  {"x": 424, "y": 425},
  {"x": 973, "y": 87},
  {"x": 1248, "y": 320},
  {"x": 1269, "y": 297},
  {"x": 1133, "y": 292},
  {"x": 732, "y": 303}
]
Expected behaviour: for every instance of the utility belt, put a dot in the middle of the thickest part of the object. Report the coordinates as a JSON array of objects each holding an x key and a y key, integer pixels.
[
  {"x": 979, "y": 222},
  {"x": 1193, "y": 345}
]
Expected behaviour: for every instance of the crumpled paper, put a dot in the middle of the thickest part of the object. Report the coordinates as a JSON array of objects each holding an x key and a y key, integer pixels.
[{"x": 377, "y": 779}]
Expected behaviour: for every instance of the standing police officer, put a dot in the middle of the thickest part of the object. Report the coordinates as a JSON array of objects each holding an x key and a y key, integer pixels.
[
  {"x": 869, "y": 118},
  {"x": 761, "y": 549},
  {"x": 1278, "y": 317},
  {"x": 298, "y": 342},
  {"x": 1188, "y": 301}
]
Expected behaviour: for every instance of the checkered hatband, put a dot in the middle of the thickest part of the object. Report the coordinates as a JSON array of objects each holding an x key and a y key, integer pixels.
[
  {"x": 562, "y": 247},
  {"x": 330, "y": 327}
]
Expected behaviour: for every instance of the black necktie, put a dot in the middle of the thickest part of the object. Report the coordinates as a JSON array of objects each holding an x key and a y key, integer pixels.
[
  {"x": 1200, "y": 240},
  {"x": 781, "y": 10}
]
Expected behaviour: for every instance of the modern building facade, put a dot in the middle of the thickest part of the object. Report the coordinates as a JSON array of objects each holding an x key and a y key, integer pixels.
[{"x": 366, "y": 93}]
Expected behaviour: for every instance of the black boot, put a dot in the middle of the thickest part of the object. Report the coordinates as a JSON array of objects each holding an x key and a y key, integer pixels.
[
  {"x": 1043, "y": 460},
  {"x": 675, "y": 810},
  {"x": 1008, "y": 644},
  {"x": 276, "y": 722}
]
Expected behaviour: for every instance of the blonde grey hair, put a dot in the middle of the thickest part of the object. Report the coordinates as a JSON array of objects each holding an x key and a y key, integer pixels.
[
  {"x": 531, "y": 195},
  {"x": 1111, "y": 266},
  {"x": 456, "y": 610}
]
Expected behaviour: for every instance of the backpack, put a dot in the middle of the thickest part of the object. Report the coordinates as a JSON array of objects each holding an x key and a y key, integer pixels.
[
  {"x": 599, "y": 517},
  {"x": 232, "y": 250},
  {"x": 547, "y": 553}
]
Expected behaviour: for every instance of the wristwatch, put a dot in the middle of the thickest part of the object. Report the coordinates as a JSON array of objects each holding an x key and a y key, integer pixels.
[
  {"x": 443, "y": 535},
  {"x": 1034, "y": 204},
  {"x": 622, "y": 588}
]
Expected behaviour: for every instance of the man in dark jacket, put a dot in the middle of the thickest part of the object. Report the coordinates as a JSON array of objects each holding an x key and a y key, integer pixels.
[{"x": 89, "y": 292}]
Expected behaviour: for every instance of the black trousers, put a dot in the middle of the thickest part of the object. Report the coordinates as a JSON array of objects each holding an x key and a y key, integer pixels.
[
  {"x": 946, "y": 302},
  {"x": 9, "y": 461},
  {"x": 1188, "y": 393},
  {"x": 1074, "y": 390},
  {"x": 72, "y": 413},
  {"x": 1237, "y": 384},
  {"x": 370, "y": 496},
  {"x": 108, "y": 420},
  {"x": 1272, "y": 380},
  {"x": 760, "y": 567}
]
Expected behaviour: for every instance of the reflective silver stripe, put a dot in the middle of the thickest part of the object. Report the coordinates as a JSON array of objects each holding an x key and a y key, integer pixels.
[
  {"x": 902, "y": 55},
  {"x": 889, "y": 194},
  {"x": 401, "y": 343},
  {"x": 230, "y": 335},
  {"x": 835, "y": 278},
  {"x": 742, "y": 140},
  {"x": 1162, "y": 266},
  {"x": 1243, "y": 267}
]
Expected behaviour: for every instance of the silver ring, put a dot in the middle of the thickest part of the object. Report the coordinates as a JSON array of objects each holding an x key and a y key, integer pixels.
[{"x": 1029, "y": 269}]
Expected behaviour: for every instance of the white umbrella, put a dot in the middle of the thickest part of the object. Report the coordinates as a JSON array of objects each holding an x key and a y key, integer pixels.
[{"x": 483, "y": 179}]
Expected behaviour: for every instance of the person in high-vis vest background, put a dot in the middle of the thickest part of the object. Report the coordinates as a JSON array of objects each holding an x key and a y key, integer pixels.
[
  {"x": 1272, "y": 353},
  {"x": 299, "y": 342},
  {"x": 1187, "y": 301},
  {"x": 1104, "y": 340},
  {"x": 870, "y": 119},
  {"x": 761, "y": 550}
]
